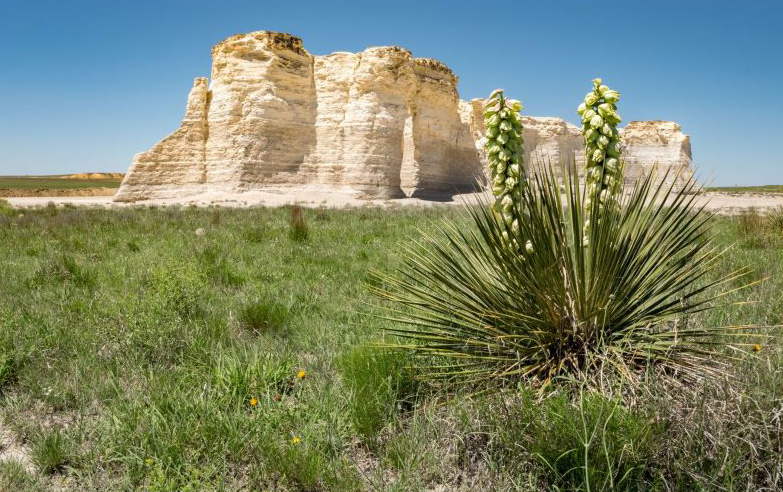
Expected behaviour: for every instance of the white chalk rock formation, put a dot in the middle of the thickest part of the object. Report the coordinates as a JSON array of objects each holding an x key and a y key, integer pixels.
[
  {"x": 656, "y": 146},
  {"x": 379, "y": 123},
  {"x": 551, "y": 141},
  {"x": 174, "y": 166}
]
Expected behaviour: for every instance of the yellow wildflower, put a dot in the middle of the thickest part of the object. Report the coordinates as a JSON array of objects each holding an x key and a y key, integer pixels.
[
  {"x": 296, "y": 440},
  {"x": 253, "y": 401},
  {"x": 301, "y": 374},
  {"x": 756, "y": 347}
]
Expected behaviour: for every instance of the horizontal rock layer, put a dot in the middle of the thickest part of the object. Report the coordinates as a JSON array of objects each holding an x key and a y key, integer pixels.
[{"x": 379, "y": 123}]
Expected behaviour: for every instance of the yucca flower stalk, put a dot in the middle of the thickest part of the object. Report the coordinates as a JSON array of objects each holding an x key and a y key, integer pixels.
[
  {"x": 603, "y": 166},
  {"x": 504, "y": 146}
]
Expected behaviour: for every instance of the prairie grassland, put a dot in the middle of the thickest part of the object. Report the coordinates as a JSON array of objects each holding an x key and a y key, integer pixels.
[
  {"x": 136, "y": 354},
  {"x": 55, "y": 182},
  {"x": 747, "y": 189}
]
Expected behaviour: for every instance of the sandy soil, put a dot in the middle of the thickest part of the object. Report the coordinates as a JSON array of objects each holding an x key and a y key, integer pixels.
[
  {"x": 724, "y": 203},
  {"x": 12, "y": 450}
]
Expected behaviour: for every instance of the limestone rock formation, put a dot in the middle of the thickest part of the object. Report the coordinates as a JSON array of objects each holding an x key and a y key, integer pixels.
[
  {"x": 379, "y": 123},
  {"x": 552, "y": 141},
  {"x": 373, "y": 123},
  {"x": 658, "y": 144}
]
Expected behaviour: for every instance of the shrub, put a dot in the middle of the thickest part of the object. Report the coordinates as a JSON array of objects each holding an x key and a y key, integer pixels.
[
  {"x": 322, "y": 214},
  {"x": 775, "y": 220},
  {"x": 216, "y": 217},
  {"x": 578, "y": 303},
  {"x": 51, "y": 209}
]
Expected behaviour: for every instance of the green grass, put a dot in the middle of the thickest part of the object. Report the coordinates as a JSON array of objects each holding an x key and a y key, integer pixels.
[
  {"x": 130, "y": 349},
  {"x": 748, "y": 189},
  {"x": 54, "y": 182},
  {"x": 50, "y": 452},
  {"x": 13, "y": 476}
]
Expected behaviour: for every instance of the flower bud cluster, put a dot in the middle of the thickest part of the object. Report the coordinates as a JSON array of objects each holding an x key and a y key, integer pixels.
[
  {"x": 602, "y": 143},
  {"x": 504, "y": 154}
]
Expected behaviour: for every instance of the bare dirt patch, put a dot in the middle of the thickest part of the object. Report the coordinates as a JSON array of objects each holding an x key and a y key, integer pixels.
[
  {"x": 722, "y": 203},
  {"x": 13, "y": 450}
]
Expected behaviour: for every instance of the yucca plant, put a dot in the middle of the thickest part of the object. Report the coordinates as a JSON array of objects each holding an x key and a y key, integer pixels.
[{"x": 580, "y": 304}]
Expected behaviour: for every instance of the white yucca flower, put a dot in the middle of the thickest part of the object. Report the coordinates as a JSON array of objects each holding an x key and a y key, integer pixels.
[
  {"x": 602, "y": 145},
  {"x": 504, "y": 147}
]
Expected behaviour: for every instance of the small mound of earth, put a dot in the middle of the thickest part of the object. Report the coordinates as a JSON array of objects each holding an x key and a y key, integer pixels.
[{"x": 94, "y": 176}]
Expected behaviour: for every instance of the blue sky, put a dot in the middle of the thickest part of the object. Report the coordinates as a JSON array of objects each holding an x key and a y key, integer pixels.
[{"x": 85, "y": 84}]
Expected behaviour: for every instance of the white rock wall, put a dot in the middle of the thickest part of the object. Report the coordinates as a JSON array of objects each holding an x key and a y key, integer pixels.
[
  {"x": 262, "y": 113},
  {"x": 656, "y": 146},
  {"x": 379, "y": 123},
  {"x": 175, "y": 166}
]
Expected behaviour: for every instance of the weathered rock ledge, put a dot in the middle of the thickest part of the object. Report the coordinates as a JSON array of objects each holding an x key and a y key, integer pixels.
[{"x": 377, "y": 124}]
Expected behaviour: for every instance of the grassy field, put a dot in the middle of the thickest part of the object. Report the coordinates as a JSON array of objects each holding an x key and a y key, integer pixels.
[
  {"x": 54, "y": 182},
  {"x": 57, "y": 182},
  {"x": 136, "y": 354},
  {"x": 748, "y": 189}
]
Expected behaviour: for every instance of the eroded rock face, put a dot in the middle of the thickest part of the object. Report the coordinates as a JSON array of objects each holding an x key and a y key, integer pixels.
[
  {"x": 261, "y": 113},
  {"x": 656, "y": 145},
  {"x": 175, "y": 166},
  {"x": 552, "y": 141},
  {"x": 379, "y": 123}
]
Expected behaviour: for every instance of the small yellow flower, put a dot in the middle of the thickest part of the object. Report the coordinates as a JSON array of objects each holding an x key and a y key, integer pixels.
[
  {"x": 253, "y": 401},
  {"x": 301, "y": 374},
  {"x": 296, "y": 440},
  {"x": 756, "y": 347}
]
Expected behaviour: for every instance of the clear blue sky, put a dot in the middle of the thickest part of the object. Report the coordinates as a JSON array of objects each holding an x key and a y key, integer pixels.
[{"x": 85, "y": 84}]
